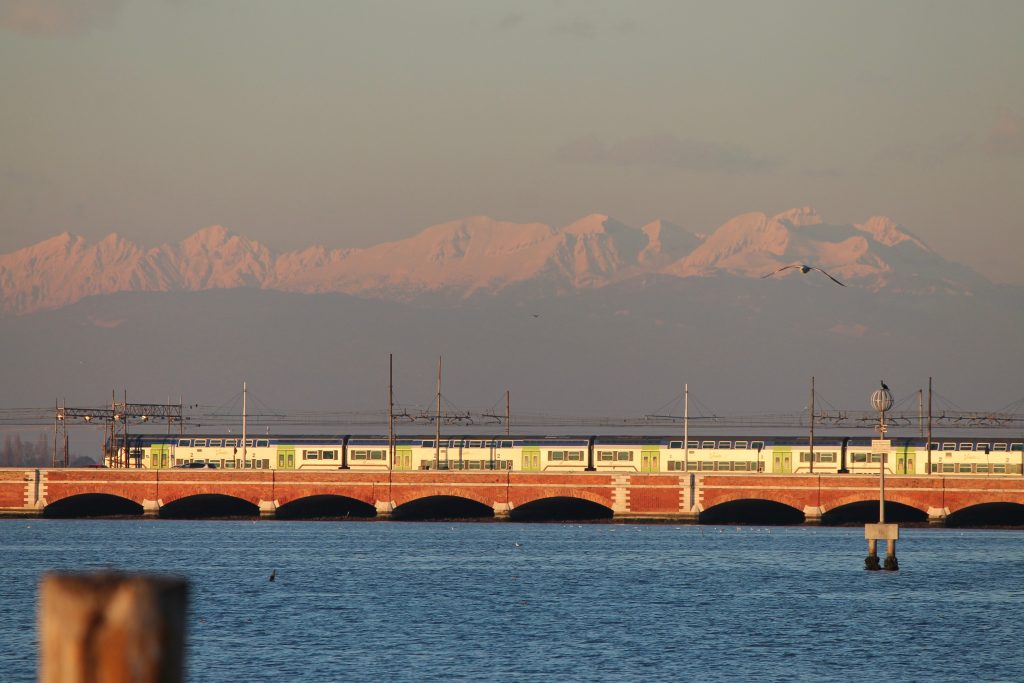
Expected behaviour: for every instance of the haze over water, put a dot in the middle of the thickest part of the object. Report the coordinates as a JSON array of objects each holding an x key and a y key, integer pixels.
[{"x": 426, "y": 601}]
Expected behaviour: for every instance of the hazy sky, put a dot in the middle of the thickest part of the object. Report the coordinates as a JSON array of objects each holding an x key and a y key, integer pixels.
[{"x": 349, "y": 123}]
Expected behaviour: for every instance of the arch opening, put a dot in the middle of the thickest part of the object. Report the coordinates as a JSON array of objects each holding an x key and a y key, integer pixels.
[
  {"x": 752, "y": 511},
  {"x": 988, "y": 515},
  {"x": 92, "y": 505},
  {"x": 209, "y": 506},
  {"x": 326, "y": 507},
  {"x": 560, "y": 508},
  {"x": 866, "y": 512},
  {"x": 442, "y": 508}
]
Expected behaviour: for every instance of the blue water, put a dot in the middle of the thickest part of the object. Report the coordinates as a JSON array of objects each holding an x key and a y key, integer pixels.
[{"x": 427, "y": 601}]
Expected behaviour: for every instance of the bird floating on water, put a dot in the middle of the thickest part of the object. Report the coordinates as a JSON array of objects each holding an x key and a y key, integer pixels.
[{"x": 804, "y": 268}]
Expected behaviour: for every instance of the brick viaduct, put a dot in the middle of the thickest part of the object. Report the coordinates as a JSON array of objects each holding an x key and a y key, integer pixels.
[{"x": 683, "y": 497}]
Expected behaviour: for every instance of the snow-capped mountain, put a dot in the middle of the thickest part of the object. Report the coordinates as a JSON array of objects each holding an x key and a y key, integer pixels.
[{"x": 480, "y": 256}]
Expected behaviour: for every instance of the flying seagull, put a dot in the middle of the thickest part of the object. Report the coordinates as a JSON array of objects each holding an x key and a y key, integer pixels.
[{"x": 804, "y": 269}]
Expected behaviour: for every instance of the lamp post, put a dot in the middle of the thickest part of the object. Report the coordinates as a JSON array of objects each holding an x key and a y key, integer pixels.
[{"x": 881, "y": 401}]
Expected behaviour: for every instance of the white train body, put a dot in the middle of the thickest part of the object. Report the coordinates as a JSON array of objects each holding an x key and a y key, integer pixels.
[{"x": 768, "y": 455}]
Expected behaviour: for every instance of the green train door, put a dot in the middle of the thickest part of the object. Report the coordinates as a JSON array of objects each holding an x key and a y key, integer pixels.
[
  {"x": 649, "y": 460},
  {"x": 286, "y": 457},
  {"x": 160, "y": 455},
  {"x": 403, "y": 457},
  {"x": 531, "y": 458},
  {"x": 905, "y": 461},
  {"x": 782, "y": 462}
]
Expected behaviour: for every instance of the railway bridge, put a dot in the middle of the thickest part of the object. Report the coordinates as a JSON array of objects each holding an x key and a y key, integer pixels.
[{"x": 684, "y": 497}]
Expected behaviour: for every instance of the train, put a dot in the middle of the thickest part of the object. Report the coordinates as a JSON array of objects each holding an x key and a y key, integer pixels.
[{"x": 608, "y": 454}]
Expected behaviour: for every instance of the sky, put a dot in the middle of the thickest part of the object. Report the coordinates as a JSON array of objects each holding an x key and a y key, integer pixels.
[{"x": 352, "y": 123}]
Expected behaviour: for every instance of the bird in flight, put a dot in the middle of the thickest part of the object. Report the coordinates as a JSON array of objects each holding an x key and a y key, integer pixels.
[{"x": 804, "y": 269}]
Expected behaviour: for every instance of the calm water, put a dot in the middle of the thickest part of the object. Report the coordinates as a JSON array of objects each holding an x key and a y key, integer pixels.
[{"x": 425, "y": 601}]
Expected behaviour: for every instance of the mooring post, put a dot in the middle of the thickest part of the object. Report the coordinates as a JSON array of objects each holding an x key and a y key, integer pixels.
[{"x": 110, "y": 627}]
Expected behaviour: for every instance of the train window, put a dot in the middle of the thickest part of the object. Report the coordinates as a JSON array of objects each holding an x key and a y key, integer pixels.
[
  {"x": 739, "y": 466},
  {"x": 184, "y": 443},
  {"x": 879, "y": 457},
  {"x": 964, "y": 467},
  {"x": 506, "y": 444},
  {"x": 724, "y": 466},
  {"x": 691, "y": 465},
  {"x": 707, "y": 465},
  {"x": 708, "y": 444},
  {"x": 986, "y": 447},
  {"x": 935, "y": 467},
  {"x": 311, "y": 455},
  {"x": 330, "y": 455},
  {"x": 981, "y": 468},
  {"x": 574, "y": 455},
  {"x": 248, "y": 443},
  {"x": 828, "y": 457},
  {"x": 215, "y": 443},
  {"x": 624, "y": 455},
  {"x": 757, "y": 444},
  {"x": 674, "y": 465},
  {"x": 1017, "y": 446},
  {"x": 455, "y": 443},
  {"x": 262, "y": 443},
  {"x": 359, "y": 455},
  {"x": 741, "y": 444},
  {"x": 725, "y": 444},
  {"x": 967, "y": 446},
  {"x": 606, "y": 455},
  {"x": 476, "y": 444},
  {"x": 999, "y": 469},
  {"x": 200, "y": 443},
  {"x": 859, "y": 457},
  {"x": 427, "y": 444},
  {"x": 947, "y": 446},
  {"x": 947, "y": 467},
  {"x": 377, "y": 455},
  {"x": 230, "y": 442},
  {"x": 675, "y": 444},
  {"x": 556, "y": 455},
  {"x": 999, "y": 447}
]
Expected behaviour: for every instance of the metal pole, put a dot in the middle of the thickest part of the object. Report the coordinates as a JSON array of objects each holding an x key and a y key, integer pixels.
[
  {"x": 56, "y": 416},
  {"x": 812, "y": 425},
  {"x": 929, "y": 425},
  {"x": 391, "y": 410},
  {"x": 245, "y": 423},
  {"x": 686, "y": 427},
  {"x": 64, "y": 428},
  {"x": 881, "y": 470},
  {"x": 437, "y": 421},
  {"x": 508, "y": 414}
]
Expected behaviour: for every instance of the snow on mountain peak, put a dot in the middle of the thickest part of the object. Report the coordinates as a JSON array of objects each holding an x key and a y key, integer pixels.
[
  {"x": 886, "y": 231},
  {"x": 799, "y": 217}
]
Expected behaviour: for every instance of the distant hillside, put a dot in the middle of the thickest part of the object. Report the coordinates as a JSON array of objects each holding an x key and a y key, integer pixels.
[{"x": 480, "y": 256}]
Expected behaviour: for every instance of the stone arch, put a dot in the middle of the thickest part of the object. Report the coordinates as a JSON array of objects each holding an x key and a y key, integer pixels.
[
  {"x": 752, "y": 511},
  {"x": 582, "y": 494},
  {"x": 991, "y": 514},
  {"x": 92, "y": 505},
  {"x": 208, "y": 505},
  {"x": 558, "y": 508},
  {"x": 326, "y": 506},
  {"x": 442, "y": 506},
  {"x": 858, "y": 510}
]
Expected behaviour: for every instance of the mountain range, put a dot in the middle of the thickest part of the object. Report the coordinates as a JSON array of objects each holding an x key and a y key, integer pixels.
[{"x": 481, "y": 256}]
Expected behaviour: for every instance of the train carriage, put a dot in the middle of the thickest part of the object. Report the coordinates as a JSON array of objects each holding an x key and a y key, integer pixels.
[{"x": 640, "y": 454}]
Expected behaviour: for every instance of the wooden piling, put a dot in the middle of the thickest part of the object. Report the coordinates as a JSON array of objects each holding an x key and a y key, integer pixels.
[{"x": 111, "y": 628}]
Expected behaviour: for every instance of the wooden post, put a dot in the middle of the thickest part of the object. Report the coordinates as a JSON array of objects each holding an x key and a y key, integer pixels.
[{"x": 111, "y": 628}]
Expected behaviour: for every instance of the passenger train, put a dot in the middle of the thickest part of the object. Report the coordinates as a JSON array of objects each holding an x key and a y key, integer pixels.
[{"x": 652, "y": 454}]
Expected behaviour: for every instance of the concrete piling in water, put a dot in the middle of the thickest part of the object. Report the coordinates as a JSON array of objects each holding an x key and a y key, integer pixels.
[{"x": 110, "y": 627}]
